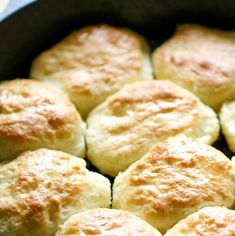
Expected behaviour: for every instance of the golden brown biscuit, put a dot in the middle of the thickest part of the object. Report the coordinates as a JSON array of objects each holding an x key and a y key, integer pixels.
[
  {"x": 41, "y": 189},
  {"x": 93, "y": 63},
  {"x": 35, "y": 115},
  {"x": 106, "y": 222},
  {"x": 201, "y": 60},
  {"x": 123, "y": 128},
  {"x": 227, "y": 121},
  {"x": 210, "y": 221},
  {"x": 174, "y": 179}
]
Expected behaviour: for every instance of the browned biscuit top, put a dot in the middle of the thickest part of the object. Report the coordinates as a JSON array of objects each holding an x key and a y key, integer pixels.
[
  {"x": 210, "y": 221},
  {"x": 30, "y": 109},
  {"x": 199, "y": 59},
  {"x": 174, "y": 179},
  {"x": 106, "y": 222},
  {"x": 34, "y": 115},
  {"x": 140, "y": 115},
  {"x": 93, "y": 47},
  {"x": 92, "y": 63},
  {"x": 41, "y": 189}
]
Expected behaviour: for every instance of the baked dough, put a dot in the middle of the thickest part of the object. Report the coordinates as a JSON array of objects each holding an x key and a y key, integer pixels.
[
  {"x": 233, "y": 161},
  {"x": 201, "y": 60},
  {"x": 210, "y": 221},
  {"x": 41, "y": 189},
  {"x": 123, "y": 128},
  {"x": 227, "y": 121},
  {"x": 94, "y": 62},
  {"x": 177, "y": 177},
  {"x": 106, "y": 222},
  {"x": 35, "y": 115}
]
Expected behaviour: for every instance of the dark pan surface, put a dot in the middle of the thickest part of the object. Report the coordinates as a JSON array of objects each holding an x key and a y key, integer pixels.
[{"x": 38, "y": 26}]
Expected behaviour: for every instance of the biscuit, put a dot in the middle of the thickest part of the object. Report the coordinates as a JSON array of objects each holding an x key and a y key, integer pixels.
[
  {"x": 94, "y": 62},
  {"x": 35, "y": 115},
  {"x": 123, "y": 128},
  {"x": 175, "y": 178},
  {"x": 227, "y": 121},
  {"x": 106, "y": 222},
  {"x": 201, "y": 60},
  {"x": 233, "y": 160},
  {"x": 41, "y": 189},
  {"x": 210, "y": 221}
]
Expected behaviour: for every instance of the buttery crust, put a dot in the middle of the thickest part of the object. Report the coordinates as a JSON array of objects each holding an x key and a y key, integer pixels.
[
  {"x": 174, "y": 179},
  {"x": 94, "y": 62},
  {"x": 35, "y": 115},
  {"x": 201, "y": 60},
  {"x": 123, "y": 128},
  {"x": 210, "y": 221},
  {"x": 106, "y": 222},
  {"x": 41, "y": 189},
  {"x": 227, "y": 121}
]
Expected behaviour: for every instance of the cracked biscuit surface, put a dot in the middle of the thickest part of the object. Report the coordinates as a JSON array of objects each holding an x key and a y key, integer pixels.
[
  {"x": 35, "y": 115},
  {"x": 227, "y": 121},
  {"x": 94, "y": 62},
  {"x": 106, "y": 222},
  {"x": 201, "y": 60},
  {"x": 175, "y": 178},
  {"x": 210, "y": 221},
  {"x": 123, "y": 128},
  {"x": 41, "y": 189}
]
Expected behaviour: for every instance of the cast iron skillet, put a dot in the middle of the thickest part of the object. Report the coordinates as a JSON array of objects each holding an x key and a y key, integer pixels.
[{"x": 39, "y": 25}]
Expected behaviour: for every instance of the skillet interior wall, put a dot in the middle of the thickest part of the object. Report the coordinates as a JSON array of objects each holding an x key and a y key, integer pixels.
[{"x": 38, "y": 26}]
